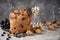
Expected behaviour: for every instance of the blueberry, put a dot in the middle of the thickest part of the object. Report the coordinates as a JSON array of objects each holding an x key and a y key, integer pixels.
[
  {"x": 7, "y": 38},
  {"x": 6, "y": 20},
  {"x": 18, "y": 36},
  {"x": 17, "y": 33},
  {"x": 8, "y": 23},
  {"x": 1, "y": 25},
  {"x": 2, "y": 28},
  {"x": 5, "y": 24},
  {"x": 24, "y": 35},
  {"x": 2, "y": 22},
  {"x": 6, "y": 30},
  {"x": 2, "y": 34}
]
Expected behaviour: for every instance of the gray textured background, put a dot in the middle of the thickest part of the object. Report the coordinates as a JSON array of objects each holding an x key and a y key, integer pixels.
[{"x": 49, "y": 9}]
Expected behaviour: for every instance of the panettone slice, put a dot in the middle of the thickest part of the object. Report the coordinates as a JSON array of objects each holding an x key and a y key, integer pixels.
[{"x": 19, "y": 20}]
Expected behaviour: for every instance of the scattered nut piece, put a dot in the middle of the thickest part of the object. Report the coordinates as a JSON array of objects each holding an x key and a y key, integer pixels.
[
  {"x": 58, "y": 23},
  {"x": 51, "y": 27},
  {"x": 48, "y": 23},
  {"x": 55, "y": 25},
  {"x": 38, "y": 31},
  {"x": 29, "y": 32}
]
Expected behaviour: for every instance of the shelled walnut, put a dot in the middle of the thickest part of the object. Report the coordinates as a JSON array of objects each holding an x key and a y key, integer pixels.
[
  {"x": 38, "y": 28},
  {"x": 38, "y": 31},
  {"x": 58, "y": 23},
  {"x": 29, "y": 32},
  {"x": 51, "y": 27},
  {"x": 48, "y": 23}
]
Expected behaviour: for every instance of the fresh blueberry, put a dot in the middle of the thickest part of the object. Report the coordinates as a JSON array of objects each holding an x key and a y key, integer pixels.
[
  {"x": 2, "y": 22},
  {"x": 2, "y": 34},
  {"x": 5, "y": 24},
  {"x": 6, "y": 20},
  {"x": 24, "y": 35},
  {"x": 8, "y": 23},
  {"x": 18, "y": 36},
  {"x": 2, "y": 28},
  {"x": 7, "y": 38},
  {"x": 1, "y": 25},
  {"x": 7, "y": 27},
  {"x": 6, "y": 30},
  {"x": 17, "y": 33}
]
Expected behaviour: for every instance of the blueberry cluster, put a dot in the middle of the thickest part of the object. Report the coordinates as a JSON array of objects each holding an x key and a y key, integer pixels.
[
  {"x": 5, "y": 25},
  {"x": 3, "y": 34},
  {"x": 18, "y": 35}
]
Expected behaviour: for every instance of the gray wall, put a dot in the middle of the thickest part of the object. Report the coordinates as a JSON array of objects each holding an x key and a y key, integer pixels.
[{"x": 49, "y": 9}]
